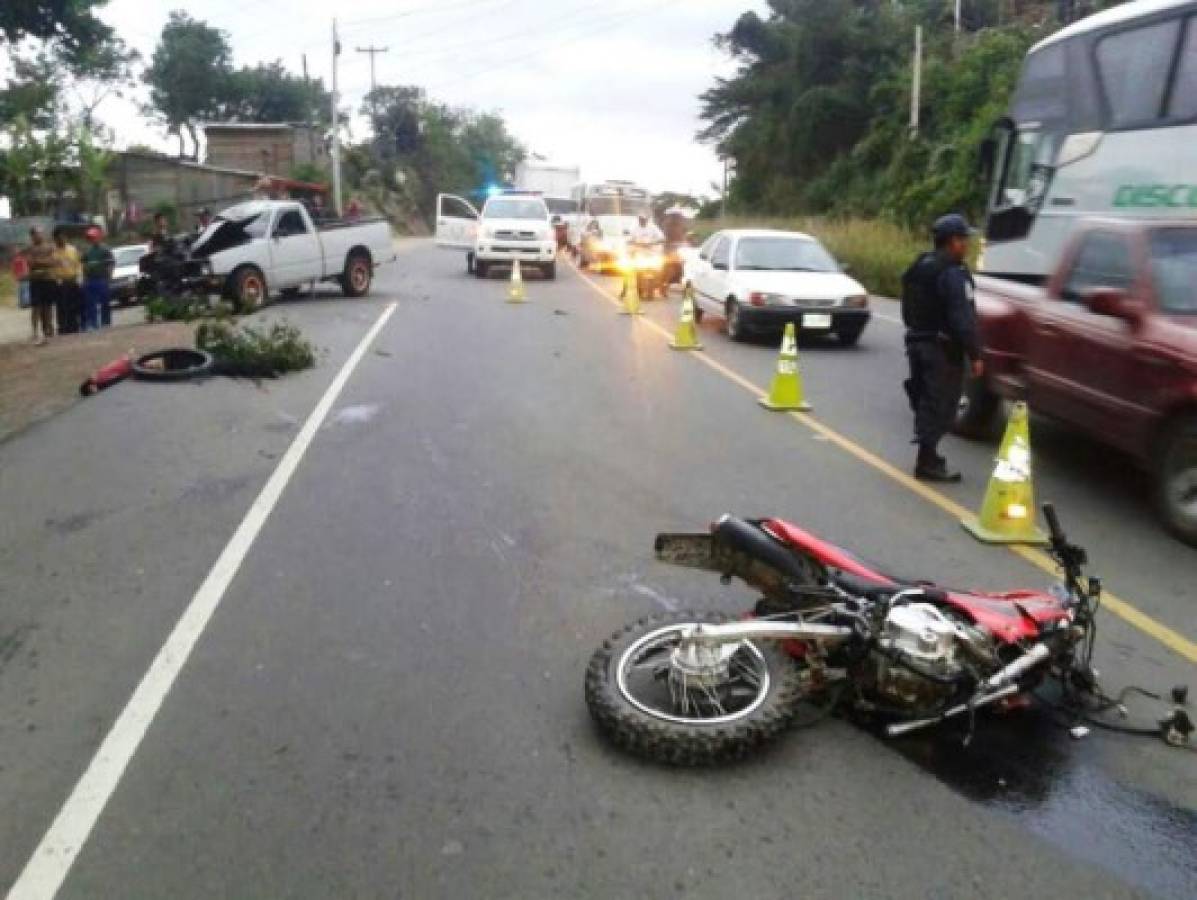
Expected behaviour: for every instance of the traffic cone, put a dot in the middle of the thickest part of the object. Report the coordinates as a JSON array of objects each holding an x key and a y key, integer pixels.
[
  {"x": 686, "y": 335},
  {"x": 630, "y": 296},
  {"x": 515, "y": 291},
  {"x": 1008, "y": 511},
  {"x": 786, "y": 391}
]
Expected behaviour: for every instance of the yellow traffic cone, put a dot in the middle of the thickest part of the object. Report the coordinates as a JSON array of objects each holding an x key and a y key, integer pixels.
[
  {"x": 786, "y": 391},
  {"x": 1008, "y": 511},
  {"x": 516, "y": 292},
  {"x": 686, "y": 335},
  {"x": 630, "y": 295}
]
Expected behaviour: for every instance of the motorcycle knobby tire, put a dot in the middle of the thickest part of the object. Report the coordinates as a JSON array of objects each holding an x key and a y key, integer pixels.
[{"x": 683, "y": 744}]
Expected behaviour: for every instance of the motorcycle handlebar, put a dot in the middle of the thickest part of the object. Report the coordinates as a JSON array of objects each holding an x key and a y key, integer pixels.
[{"x": 1053, "y": 523}]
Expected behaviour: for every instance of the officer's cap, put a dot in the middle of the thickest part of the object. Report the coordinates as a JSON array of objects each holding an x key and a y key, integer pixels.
[{"x": 951, "y": 225}]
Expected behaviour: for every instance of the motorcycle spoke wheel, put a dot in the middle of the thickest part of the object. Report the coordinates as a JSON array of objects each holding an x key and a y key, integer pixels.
[{"x": 646, "y": 704}]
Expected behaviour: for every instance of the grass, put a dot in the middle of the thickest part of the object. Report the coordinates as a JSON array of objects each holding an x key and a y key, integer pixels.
[{"x": 876, "y": 252}]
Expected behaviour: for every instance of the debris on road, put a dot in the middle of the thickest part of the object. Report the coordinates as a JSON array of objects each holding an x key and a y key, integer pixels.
[
  {"x": 255, "y": 352},
  {"x": 173, "y": 364},
  {"x": 107, "y": 376}
]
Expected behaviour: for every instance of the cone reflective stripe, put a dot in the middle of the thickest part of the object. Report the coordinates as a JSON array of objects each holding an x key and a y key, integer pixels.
[
  {"x": 630, "y": 296},
  {"x": 1008, "y": 511},
  {"x": 515, "y": 292},
  {"x": 686, "y": 335},
  {"x": 785, "y": 393}
]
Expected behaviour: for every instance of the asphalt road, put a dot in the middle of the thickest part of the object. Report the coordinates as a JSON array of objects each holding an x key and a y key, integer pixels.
[{"x": 387, "y": 700}]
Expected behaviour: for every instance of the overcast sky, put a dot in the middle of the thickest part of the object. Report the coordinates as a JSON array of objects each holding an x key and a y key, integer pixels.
[{"x": 609, "y": 85}]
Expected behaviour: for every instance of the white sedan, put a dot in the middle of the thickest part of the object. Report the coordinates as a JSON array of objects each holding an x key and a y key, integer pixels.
[{"x": 760, "y": 280}]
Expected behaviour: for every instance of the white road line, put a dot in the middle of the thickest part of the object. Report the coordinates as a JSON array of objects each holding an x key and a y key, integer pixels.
[{"x": 47, "y": 869}]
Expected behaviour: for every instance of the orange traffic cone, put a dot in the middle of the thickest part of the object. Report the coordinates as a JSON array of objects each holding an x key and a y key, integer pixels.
[
  {"x": 785, "y": 393},
  {"x": 515, "y": 291},
  {"x": 1008, "y": 511},
  {"x": 686, "y": 335}
]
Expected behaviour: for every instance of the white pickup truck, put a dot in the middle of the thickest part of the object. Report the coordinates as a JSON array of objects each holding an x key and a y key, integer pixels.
[{"x": 266, "y": 247}]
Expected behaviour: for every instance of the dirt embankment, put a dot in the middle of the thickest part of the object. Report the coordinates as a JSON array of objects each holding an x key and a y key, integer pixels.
[{"x": 37, "y": 382}]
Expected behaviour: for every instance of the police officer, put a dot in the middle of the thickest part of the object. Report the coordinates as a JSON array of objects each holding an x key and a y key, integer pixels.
[{"x": 941, "y": 333}]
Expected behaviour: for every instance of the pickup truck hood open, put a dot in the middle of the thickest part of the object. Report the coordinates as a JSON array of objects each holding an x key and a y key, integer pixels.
[{"x": 220, "y": 235}]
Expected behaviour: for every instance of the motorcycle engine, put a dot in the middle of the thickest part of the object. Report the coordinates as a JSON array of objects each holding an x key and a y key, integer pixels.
[{"x": 930, "y": 641}]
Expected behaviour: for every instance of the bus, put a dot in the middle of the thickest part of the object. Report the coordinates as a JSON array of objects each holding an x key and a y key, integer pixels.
[{"x": 1103, "y": 122}]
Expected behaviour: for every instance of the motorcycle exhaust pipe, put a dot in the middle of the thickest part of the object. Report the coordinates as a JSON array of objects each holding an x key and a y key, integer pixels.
[
  {"x": 900, "y": 728},
  {"x": 1001, "y": 683}
]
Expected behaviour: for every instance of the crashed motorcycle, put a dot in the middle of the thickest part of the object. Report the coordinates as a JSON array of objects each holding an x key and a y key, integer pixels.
[{"x": 829, "y": 633}]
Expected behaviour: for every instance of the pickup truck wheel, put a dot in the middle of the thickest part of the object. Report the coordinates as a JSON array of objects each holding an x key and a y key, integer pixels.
[
  {"x": 549, "y": 271},
  {"x": 977, "y": 414},
  {"x": 1176, "y": 478},
  {"x": 355, "y": 280},
  {"x": 849, "y": 335},
  {"x": 481, "y": 269},
  {"x": 248, "y": 289},
  {"x": 469, "y": 263}
]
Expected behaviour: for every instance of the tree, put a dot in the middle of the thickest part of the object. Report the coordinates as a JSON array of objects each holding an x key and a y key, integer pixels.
[
  {"x": 70, "y": 27},
  {"x": 269, "y": 93},
  {"x": 431, "y": 147},
  {"x": 188, "y": 75},
  {"x": 816, "y": 115}
]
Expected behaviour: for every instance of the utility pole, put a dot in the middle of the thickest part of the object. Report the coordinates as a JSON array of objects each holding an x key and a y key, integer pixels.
[
  {"x": 311, "y": 119},
  {"x": 373, "y": 51},
  {"x": 916, "y": 81},
  {"x": 723, "y": 196},
  {"x": 336, "y": 140},
  {"x": 958, "y": 16}
]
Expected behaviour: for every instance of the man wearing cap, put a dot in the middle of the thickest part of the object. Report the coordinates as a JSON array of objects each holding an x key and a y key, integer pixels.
[
  {"x": 98, "y": 263},
  {"x": 941, "y": 332}
]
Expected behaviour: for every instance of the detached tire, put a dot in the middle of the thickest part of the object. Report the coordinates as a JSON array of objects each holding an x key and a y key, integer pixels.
[
  {"x": 688, "y": 743},
  {"x": 175, "y": 364},
  {"x": 358, "y": 274},
  {"x": 1176, "y": 478}
]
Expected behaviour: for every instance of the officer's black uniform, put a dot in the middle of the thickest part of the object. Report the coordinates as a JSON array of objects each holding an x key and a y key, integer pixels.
[{"x": 941, "y": 330}]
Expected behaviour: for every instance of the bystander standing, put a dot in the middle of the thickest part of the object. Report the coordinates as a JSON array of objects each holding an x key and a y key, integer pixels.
[
  {"x": 98, "y": 263},
  {"x": 43, "y": 287},
  {"x": 68, "y": 273}
]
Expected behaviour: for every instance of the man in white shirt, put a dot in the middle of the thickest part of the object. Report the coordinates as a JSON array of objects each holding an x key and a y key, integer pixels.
[{"x": 647, "y": 234}]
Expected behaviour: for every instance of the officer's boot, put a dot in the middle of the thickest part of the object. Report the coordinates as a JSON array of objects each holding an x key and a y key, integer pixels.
[{"x": 933, "y": 467}]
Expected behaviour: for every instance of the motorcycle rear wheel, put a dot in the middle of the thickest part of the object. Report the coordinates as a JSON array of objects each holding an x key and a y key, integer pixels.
[{"x": 717, "y": 735}]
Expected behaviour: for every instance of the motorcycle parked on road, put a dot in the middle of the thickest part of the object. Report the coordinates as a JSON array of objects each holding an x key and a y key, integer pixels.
[{"x": 830, "y": 631}]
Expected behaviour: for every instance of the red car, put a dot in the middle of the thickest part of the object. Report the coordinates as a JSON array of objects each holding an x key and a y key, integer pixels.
[{"x": 1108, "y": 345}]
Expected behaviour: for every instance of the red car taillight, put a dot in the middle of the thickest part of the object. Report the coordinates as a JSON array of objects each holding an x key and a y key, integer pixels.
[{"x": 756, "y": 298}]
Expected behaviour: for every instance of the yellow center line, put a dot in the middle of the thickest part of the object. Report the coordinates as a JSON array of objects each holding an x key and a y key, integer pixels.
[{"x": 1123, "y": 609}]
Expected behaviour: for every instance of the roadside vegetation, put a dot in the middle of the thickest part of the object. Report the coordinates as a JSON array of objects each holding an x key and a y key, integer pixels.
[{"x": 816, "y": 120}]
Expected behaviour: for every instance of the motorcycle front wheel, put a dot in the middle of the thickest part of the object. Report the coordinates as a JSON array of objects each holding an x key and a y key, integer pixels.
[{"x": 645, "y": 704}]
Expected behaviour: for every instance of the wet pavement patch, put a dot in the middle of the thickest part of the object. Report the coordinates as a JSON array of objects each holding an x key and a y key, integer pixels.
[{"x": 1026, "y": 767}]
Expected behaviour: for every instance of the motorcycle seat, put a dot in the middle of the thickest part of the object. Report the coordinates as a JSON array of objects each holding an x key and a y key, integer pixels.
[{"x": 879, "y": 590}]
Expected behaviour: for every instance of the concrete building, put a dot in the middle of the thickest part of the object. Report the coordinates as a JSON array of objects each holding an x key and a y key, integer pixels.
[
  {"x": 142, "y": 182},
  {"x": 272, "y": 148}
]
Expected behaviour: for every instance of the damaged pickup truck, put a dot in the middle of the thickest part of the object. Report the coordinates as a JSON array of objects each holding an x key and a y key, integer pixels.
[{"x": 260, "y": 249}]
